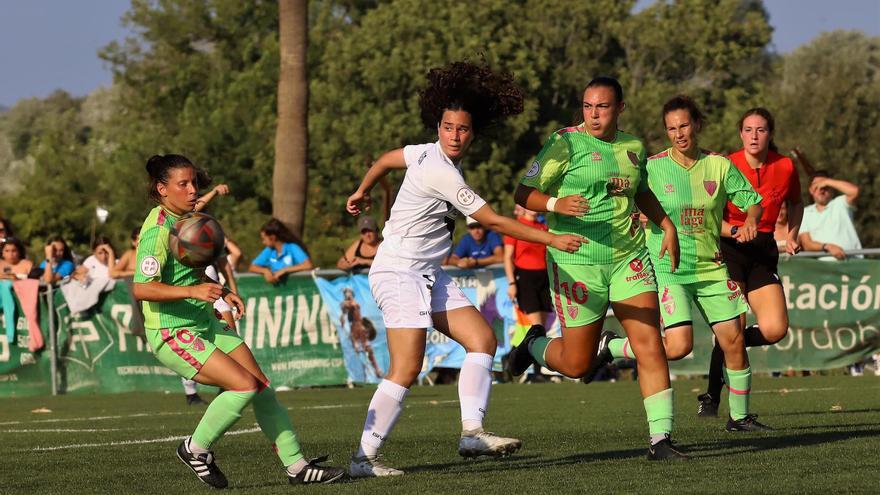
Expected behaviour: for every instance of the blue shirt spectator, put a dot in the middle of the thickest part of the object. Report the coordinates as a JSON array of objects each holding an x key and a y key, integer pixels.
[
  {"x": 479, "y": 247},
  {"x": 284, "y": 253},
  {"x": 291, "y": 254},
  {"x": 62, "y": 268}
]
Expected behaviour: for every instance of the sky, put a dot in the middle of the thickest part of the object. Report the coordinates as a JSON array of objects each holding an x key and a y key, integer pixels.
[{"x": 52, "y": 44}]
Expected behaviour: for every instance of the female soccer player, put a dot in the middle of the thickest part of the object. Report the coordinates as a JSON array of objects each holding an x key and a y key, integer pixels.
[
  {"x": 753, "y": 265},
  {"x": 186, "y": 337},
  {"x": 588, "y": 177},
  {"x": 411, "y": 290},
  {"x": 694, "y": 187}
]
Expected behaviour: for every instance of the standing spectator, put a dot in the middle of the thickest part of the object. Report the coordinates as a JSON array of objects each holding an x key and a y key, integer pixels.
[
  {"x": 59, "y": 261},
  {"x": 479, "y": 247},
  {"x": 827, "y": 224},
  {"x": 361, "y": 252},
  {"x": 13, "y": 260},
  {"x": 525, "y": 264},
  {"x": 127, "y": 263},
  {"x": 284, "y": 253}
]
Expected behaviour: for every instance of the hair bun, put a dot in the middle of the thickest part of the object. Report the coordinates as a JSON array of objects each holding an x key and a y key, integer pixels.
[{"x": 154, "y": 165}]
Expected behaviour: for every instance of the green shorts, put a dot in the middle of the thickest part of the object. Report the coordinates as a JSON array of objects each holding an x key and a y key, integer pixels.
[
  {"x": 186, "y": 350},
  {"x": 581, "y": 293},
  {"x": 717, "y": 300}
]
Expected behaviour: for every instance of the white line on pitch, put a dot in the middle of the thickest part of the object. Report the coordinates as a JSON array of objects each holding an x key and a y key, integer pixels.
[
  {"x": 64, "y": 430},
  {"x": 787, "y": 390},
  {"x": 129, "y": 442}
]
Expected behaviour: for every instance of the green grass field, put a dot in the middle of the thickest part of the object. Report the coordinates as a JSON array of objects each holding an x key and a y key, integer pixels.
[{"x": 577, "y": 439}]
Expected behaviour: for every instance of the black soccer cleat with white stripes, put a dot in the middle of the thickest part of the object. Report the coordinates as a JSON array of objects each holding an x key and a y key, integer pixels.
[
  {"x": 202, "y": 465},
  {"x": 315, "y": 473},
  {"x": 519, "y": 359}
]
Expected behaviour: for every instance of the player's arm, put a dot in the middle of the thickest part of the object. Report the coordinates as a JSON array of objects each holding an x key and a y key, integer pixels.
[
  {"x": 496, "y": 257},
  {"x": 547, "y": 169},
  {"x": 509, "y": 272},
  {"x": 201, "y": 203},
  {"x": 795, "y": 216},
  {"x": 391, "y": 160},
  {"x": 648, "y": 204},
  {"x": 848, "y": 189},
  {"x": 347, "y": 259},
  {"x": 744, "y": 196},
  {"x": 508, "y": 226}
]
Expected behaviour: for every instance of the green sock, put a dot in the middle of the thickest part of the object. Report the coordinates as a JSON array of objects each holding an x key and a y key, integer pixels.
[
  {"x": 223, "y": 412},
  {"x": 659, "y": 410},
  {"x": 538, "y": 347},
  {"x": 620, "y": 348},
  {"x": 275, "y": 423},
  {"x": 739, "y": 386}
]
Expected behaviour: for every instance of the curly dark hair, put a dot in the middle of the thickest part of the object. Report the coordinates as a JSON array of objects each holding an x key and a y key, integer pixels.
[{"x": 488, "y": 96}]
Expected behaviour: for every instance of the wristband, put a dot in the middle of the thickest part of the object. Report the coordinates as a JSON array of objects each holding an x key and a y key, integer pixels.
[
  {"x": 551, "y": 204},
  {"x": 825, "y": 247}
]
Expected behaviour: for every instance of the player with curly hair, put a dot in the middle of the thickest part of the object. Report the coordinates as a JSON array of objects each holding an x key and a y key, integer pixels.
[{"x": 412, "y": 291}]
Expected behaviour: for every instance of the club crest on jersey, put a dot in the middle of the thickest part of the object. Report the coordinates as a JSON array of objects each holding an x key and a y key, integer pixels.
[
  {"x": 572, "y": 312},
  {"x": 633, "y": 158},
  {"x": 710, "y": 186},
  {"x": 465, "y": 196},
  {"x": 597, "y": 157},
  {"x": 150, "y": 266},
  {"x": 534, "y": 169}
]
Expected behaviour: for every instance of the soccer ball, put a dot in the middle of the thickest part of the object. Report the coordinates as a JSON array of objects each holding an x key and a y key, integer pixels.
[{"x": 196, "y": 240}]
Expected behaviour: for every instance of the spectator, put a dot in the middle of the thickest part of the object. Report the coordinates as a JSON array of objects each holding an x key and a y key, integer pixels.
[
  {"x": 99, "y": 264},
  {"x": 5, "y": 229},
  {"x": 479, "y": 247},
  {"x": 827, "y": 224},
  {"x": 126, "y": 265},
  {"x": 284, "y": 253},
  {"x": 361, "y": 252},
  {"x": 13, "y": 260},
  {"x": 59, "y": 261}
]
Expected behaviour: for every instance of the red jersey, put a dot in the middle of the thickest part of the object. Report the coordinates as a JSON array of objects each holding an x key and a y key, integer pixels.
[
  {"x": 776, "y": 181},
  {"x": 528, "y": 255}
]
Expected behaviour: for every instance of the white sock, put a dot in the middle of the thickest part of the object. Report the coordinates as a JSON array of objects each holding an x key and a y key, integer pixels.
[
  {"x": 196, "y": 448},
  {"x": 385, "y": 408},
  {"x": 189, "y": 386},
  {"x": 474, "y": 385},
  {"x": 297, "y": 466}
]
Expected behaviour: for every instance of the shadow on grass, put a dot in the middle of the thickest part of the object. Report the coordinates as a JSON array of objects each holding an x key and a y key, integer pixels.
[
  {"x": 746, "y": 442},
  {"x": 816, "y": 413}
]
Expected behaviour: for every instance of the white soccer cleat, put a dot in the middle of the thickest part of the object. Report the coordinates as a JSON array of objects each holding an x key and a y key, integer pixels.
[
  {"x": 370, "y": 466},
  {"x": 478, "y": 442}
]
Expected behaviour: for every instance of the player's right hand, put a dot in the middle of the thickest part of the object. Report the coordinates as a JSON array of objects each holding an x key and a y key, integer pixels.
[
  {"x": 568, "y": 242},
  {"x": 573, "y": 206},
  {"x": 357, "y": 201},
  {"x": 511, "y": 293},
  {"x": 206, "y": 292}
]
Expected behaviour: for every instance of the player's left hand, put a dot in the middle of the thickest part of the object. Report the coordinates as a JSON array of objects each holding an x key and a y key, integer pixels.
[
  {"x": 792, "y": 246},
  {"x": 357, "y": 202},
  {"x": 235, "y": 301},
  {"x": 670, "y": 246},
  {"x": 746, "y": 232}
]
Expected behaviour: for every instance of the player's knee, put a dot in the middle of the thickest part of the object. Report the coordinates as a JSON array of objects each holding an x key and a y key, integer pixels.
[
  {"x": 575, "y": 368},
  {"x": 405, "y": 374},
  {"x": 678, "y": 350},
  {"x": 774, "y": 331}
]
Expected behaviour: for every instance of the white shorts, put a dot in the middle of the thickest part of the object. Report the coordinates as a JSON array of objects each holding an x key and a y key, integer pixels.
[{"x": 407, "y": 297}]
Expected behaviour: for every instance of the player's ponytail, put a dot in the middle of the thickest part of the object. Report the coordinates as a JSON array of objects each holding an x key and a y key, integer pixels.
[{"x": 159, "y": 167}]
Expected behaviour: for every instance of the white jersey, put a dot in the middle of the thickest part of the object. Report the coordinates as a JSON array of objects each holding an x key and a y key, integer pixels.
[{"x": 423, "y": 215}]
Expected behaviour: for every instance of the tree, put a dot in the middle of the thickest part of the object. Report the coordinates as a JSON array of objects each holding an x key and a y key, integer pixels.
[{"x": 290, "y": 175}]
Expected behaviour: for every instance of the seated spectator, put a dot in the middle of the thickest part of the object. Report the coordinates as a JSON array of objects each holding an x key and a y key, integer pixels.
[
  {"x": 5, "y": 229},
  {"x": 13, "y": 260},
  {"x": 284, "y": 253},
  {"x": 127, "y": 264},
  {"x": 99, "y": 264},
  {"x": 477, "y": 248},
  {"x": 59, "y": 261},
  {"x": 361, "y": 252},
  {"x": 827, "y": 224}
]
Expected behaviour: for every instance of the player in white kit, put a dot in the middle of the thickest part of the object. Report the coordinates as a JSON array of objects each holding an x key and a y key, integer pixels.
[{"x": 411, "y": 290}]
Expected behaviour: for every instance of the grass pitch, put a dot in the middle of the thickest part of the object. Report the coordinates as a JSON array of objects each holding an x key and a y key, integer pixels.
[{"x": 577, "y": 439}]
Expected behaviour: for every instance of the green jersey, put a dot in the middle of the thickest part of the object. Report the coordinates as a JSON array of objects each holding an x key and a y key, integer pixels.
[
  {"x": 694, "y": 198},
  {"x": 155, "y": 264},
  {"x": 608, "y": 175}
]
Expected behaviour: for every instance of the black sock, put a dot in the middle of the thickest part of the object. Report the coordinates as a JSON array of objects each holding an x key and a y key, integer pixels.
[
  {"x": 752, "y": 336},
  {"x": 716, "y": 373}
]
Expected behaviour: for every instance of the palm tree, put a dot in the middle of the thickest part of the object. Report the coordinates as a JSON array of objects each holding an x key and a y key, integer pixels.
[{"x": 290, "y": 177}]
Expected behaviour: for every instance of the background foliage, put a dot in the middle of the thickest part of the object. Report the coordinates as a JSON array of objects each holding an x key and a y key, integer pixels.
[{"x": 199, "y": 78}]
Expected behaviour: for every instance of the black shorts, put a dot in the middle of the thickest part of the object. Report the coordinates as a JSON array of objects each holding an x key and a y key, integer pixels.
[
  {"x": 533, "y": 290},
  {"x": 754, "y": 263}
]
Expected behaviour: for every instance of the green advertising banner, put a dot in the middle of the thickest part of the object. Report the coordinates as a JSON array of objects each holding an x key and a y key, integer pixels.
[{"x": 834, "y": 316}]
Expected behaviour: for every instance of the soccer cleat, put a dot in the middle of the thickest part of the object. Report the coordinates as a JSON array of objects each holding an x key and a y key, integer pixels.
[
  {"x": 748, "y": 423},
  {"x": 519, "y": 359},
  {"x": 370, "y": 466},
  {"x": 202, "y": 465},
  {"x": 708, "y": 407},
  {"x": 475, "y": 443},
  {"x": 603, "y": 355},
  {"x": 315, "y": 473},
  {"x": 664, "y": 451},
  {"x": 195, "y": 400}
]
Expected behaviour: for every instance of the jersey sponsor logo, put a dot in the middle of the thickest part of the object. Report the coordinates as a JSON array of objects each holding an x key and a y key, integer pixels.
[
  {"x": 534, "y": 169},
  {"x": 711, "y": 186},
  {"x": 597, "y": 157},
  {"x": 150, "y": 266},
  {"x": 732, "y": 285},
  {"x": 734, "y": 290},
  {"x": 466, "y": 196},
  {"x": 633, "y": 158},
  {"x": 669, "y": 188},
  {"x": 692, "y": 219},
  {"x": 617, "y": 185},
  {"x": 637, "y": 266}
]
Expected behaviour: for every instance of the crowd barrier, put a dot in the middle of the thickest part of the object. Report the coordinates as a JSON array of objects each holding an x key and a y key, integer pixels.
[{"x": 325, "y": 329}]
